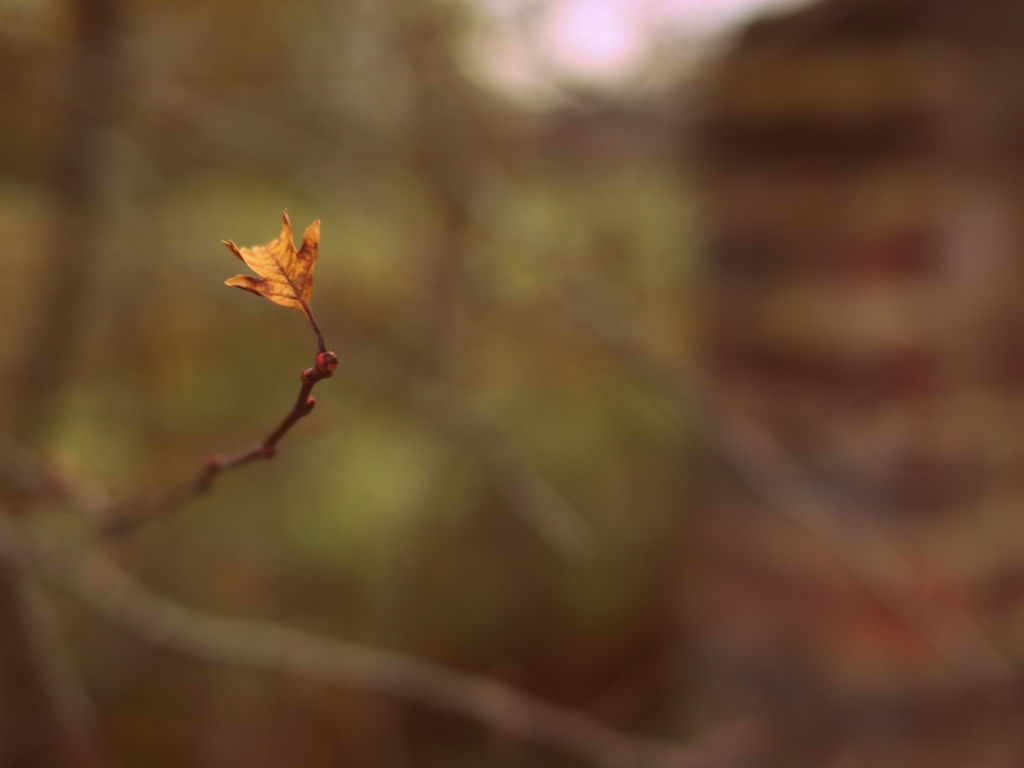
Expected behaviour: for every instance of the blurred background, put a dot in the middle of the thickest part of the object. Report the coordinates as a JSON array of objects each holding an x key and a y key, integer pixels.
[{"x": 680, "y": 372}]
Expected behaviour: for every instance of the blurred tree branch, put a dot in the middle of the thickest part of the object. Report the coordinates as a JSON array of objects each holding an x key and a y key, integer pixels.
[
  {"x": 446, "y": 408},
  {"x": 792, "y": 491},
  {"x": 95, "y": 579},
  {"x": 82, "y": 743}
]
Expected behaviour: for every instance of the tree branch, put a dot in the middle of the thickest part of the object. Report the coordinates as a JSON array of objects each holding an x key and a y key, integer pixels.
[
  {"x": 542, "y": 507},
  {"x": 82, "y": 745},
  {"x": 268, "y": 647},
  {"x": 793, "y": 492},
  {"x": 126, "y": 516}
]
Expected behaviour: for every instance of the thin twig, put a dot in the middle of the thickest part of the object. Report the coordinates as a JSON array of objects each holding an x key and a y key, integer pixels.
[
  {"x": 530, "y": 494},
  {"x": 265, "y": 646},
  {"x": 128, "y": 515}
]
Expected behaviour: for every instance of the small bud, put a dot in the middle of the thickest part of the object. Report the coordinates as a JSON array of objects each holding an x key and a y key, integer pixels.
[
  {"x": 327, "y": 362},
  {"x": 310, "y": 404},
  {"x": 269, "y": 451},
  {"x": 306, "y": 376},
  {"x": 211, "y": 462}
]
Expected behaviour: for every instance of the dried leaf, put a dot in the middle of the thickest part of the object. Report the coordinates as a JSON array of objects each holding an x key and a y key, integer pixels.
[{"x": 285, "y": 275}]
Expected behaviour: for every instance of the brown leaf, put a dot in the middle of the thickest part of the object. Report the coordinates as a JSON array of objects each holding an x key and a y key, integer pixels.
[{"x": 285, "y": 275}]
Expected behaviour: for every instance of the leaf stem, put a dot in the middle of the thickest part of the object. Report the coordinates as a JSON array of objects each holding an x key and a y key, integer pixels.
[{"x": 316, "y": 329}]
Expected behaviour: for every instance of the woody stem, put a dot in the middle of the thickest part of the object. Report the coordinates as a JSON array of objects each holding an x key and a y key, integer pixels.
[{"x": 125, "y": 517}]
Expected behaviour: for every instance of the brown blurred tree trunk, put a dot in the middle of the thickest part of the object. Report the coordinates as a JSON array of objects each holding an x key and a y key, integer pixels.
[
  {"x": 91, "y": 86},
  {"x": 30, "y": 729}
]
